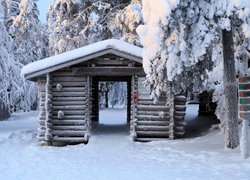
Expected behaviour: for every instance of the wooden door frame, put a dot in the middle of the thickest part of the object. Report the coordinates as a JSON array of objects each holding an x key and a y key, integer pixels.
[{"x": 95, "y": 97}]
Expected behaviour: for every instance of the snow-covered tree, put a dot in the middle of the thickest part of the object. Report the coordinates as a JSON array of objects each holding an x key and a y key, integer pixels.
[
  {"x": 11, "y": 10},
  {"x": 127, "y": 20},
  {"x": 73, "y": 24},
  {"x": 15, "y": 93},
  {"x": 118, "y": 94},
  {"x": 182, "y": 39},
  {"x": 26, "y": 30}
]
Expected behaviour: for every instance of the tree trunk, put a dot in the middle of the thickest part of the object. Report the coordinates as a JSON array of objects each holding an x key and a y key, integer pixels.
[
  {"x": 230, "y": 85},
  {"x": 106, "y": 96},
  {"x": 4, "y": 114},
  {"x": 244, "y": 144}
]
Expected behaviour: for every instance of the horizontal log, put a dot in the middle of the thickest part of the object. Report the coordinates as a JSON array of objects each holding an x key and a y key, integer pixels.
[
  {"x": 244, "y": 93},
  {"x": 141, "y": 102},
  {"x": 152, "y": 108},
  {"x": 69, "y": 122},
  {"x": 151, "y": 134},
  {"x": 69, "y": 139},
  {"x": 62, "y": 99},
  {"x": 153, "y": 123},
  {"x": 154, "y": 113},
  {"x": 144, "y": 100},
  {"x": 72, "y": 112},
  {"x": 180, "y": 107},
  {"x": 152, "y": 118},
  {"x": 179, "y": 113},
  {"x": 69, "y": 94},
  {"x": 151, "y": 128},
  {"x": 244, "y": 107},
  {"x": 110, "y": 62},
  {"x": 62, "y": 72},
  {"x": 244, "y": 79},
  {"x": 109, "y": 71},
  {"x": 180, "y": 103},
  {"x": 69, "y": 79},
  {"x": 68, "y": 133},
  {"x": 70, "y": 84},
  {"x": 78, "y": 128},
  {"x": 244, "y": 100},
  {"x": 180, "y": 99},
  {"x": 68, "y": 117},
  {"x": 70, "y": 107},
  {"x": 244, "y": 86},
  {"x": 179, "y": 128},
  {"x": 179, "y": 118},
  {"x": 180, "y": 123},
  {"x": 244, "y": 115},
  {"x": 69, "y": 103},
  {"x": 70, "y": 89}
]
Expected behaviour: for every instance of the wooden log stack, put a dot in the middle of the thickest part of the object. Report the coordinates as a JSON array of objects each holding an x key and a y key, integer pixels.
[
  {"x": 64, "y": 109},
  {"x": 73, "y": 101},
  {"x": 158, "y": 120},
  {"x": 244, "y": 113},
  {"x": 42, "y": 114}
]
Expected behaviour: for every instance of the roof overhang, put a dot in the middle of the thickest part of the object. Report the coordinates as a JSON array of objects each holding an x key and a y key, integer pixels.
[{"x": 108, "y": 49}]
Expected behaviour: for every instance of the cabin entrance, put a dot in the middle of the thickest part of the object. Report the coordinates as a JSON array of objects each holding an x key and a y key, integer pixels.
[
  {"x": 70, "y": 101},
  {"x": 111, "y": 101}
]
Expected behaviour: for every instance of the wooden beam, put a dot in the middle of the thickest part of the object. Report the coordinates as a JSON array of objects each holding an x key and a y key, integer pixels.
[{"x": 109, "y": 71}]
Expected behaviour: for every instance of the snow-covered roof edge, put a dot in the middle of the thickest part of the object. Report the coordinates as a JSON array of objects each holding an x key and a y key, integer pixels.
[{"x": 113, "y": 46}]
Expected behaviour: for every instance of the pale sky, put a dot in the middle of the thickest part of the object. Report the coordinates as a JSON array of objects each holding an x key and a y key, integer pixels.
[{"x": 43, "y": 6}]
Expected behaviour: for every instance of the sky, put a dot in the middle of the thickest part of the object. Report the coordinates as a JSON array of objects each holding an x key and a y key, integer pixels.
[{"x": 43, "y": 6}]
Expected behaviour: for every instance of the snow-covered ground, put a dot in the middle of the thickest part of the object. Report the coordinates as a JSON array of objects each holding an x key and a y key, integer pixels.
[{"x": 110, "y": 154}]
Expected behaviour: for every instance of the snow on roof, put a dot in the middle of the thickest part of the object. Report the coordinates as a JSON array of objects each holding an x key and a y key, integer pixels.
[{"x": 70, "y": 56}]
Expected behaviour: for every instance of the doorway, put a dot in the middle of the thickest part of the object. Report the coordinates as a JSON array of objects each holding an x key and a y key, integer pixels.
[{"x": 111, "y": 101}]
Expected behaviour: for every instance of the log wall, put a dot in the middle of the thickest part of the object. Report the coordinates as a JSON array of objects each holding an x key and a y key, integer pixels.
[
  {"x": 41, "y": 82},
  {"x": 160, "y": 120},
  {"x": 65, "y": 107},
  {"x": 72, "y": 100}
]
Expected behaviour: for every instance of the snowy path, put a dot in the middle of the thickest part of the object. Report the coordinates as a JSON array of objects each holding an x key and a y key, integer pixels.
[{"x": 111, "y": 155}]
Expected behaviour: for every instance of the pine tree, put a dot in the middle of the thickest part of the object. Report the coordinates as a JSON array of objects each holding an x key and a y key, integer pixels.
[
  {"x": 73, "y": 24},
  {"x": 127, "y": 20},
  {"x": 182, "y": 38},
  {"x": 22, "y": 42},
  {"x": 14, "y": 93},
  {"x": 26, "y": 30}
]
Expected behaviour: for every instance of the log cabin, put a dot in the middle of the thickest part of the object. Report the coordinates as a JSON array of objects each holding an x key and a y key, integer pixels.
[{"x": 68, "y": 94}]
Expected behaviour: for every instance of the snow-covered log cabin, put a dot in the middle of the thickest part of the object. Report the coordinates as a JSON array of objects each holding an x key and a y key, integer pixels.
[{"x": 68, "y": 93}]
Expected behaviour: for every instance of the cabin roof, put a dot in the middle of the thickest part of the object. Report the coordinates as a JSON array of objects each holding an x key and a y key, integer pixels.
[{"x": 56, "y": 62}]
